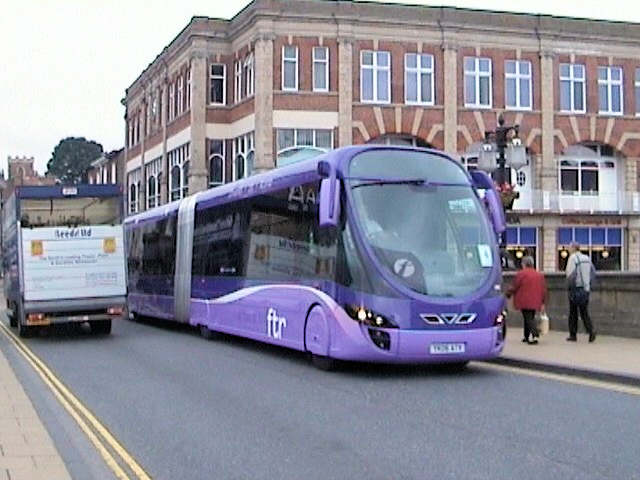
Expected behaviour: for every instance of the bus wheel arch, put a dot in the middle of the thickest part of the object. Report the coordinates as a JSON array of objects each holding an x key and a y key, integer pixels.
[{"x": 317, "y": 337}]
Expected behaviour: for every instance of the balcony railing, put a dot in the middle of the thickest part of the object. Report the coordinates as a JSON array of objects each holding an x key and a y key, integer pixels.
[{"x": 560, "y": 202}]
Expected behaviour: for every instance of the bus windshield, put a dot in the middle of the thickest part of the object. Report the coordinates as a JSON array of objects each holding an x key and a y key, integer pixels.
[
  {"x": 422, "y": 220},
  {"x": 69, "y": 212}
]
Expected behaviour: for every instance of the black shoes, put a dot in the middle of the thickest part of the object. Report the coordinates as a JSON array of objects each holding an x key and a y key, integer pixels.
[
  {"x": 533, "y": 342},
  {"x": 571, "y": 338},
  {"x": 592, "y": 337},
  {"x": 525, "y": 340}
]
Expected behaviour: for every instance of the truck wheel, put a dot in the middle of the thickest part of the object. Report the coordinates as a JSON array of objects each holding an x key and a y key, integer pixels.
[
  {"x": 24, "y": 331},
  {"x": 12, "y": 318},
  {"x": 102, "y": 327}
]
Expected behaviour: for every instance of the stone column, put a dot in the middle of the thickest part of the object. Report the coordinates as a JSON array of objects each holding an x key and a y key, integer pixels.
[
  {"x": 198, "y": 167},
  {"x": 345, "y": 91},
  {"x": 164, "y": 95},
  {"x": 633, "y": 246},
  {"x": 142, "y": 195},
  {"x": 549, "y": 244},
  {"x": 450, "y": 53},
  {"x": 549, "y": 170},
  {"x": 263, "y": 103},
  {"x": 125, "y": 177},
  {"x": 631, "y": 174}
]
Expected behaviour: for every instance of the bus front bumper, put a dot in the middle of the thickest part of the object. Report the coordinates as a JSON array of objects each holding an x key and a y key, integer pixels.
[{"x": 418, "y": 346}]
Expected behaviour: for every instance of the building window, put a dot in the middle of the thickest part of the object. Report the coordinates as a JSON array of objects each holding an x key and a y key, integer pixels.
[
  {"x": 114, "y": 178},
  {"x": 517, "y": 75},
  {"x": 320, "y": 69},
  {"x": 477, "y": 82},
  {"x": 130, "y": 136},
  {"x": 572, "y": 88},
  {"x": 243, "y": 156},
  {"x": 216, "y": 162},
  {"x": 179, "y": 97},
  {"x": 153, "y": 170},
  {"x": 179, "y": 172},
  {"x": 172, "y": 103},
  {"x": 521, "y": 242},
  {"x": 249, "y": 85},
  {"x": 155, "y": 113},
  {"x": 637, "y": 89},
  {"x": 603, "y": 245},
  {"x": 289, "y": 67},
  {"x": 297, "y": 144},
  {"x": 418, "y": 79},
  {"x": 217, "y": 90},
  {"x": 375, "y": 76},
  {"x": 610, "y": 90},
  {"x": 237, "y": 85},
  {"x": 187, "y": 99},
  {"x": 134, "y": 190},
  {"x": 147, "y": 120},
  {"x": 579, "y": 177}
]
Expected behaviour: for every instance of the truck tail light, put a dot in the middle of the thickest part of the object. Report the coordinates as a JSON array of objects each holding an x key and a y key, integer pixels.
[{"x": 115, "y": 310}]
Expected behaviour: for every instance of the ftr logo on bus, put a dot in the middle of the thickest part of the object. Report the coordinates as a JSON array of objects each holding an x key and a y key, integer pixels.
[{"x": 275, "y": 324}]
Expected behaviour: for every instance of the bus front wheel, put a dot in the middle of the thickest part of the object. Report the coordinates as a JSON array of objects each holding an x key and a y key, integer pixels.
[
  {"x": 323, "y": 363},
  {"x": 207, "y": 333}
]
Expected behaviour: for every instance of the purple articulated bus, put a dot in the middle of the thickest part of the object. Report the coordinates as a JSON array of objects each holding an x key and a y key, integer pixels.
[{"x": 370, "y": 253}]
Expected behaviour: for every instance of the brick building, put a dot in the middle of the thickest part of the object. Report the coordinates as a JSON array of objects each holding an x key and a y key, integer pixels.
[{"x": 283, "y": 80}]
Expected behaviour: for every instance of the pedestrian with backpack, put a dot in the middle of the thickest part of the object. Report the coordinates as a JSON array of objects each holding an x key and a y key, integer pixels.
[{"x": 580, "y": 272}]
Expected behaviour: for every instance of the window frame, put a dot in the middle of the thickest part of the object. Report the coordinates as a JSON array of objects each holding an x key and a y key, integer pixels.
[
  {"x": 477, "y": 74},
  {"x": 572, "y": 80},
  {"x": 179, "y": 157},
  {"x": 222, "y": 156},
  {"x": 180, "y": 96},
  {"x": 247, "y": 140},
  {"x": 248, "y": 72},
  {"x": 518, "y": 76},
  {"x": 610, "y": 83},
  {"x": 237, "y": 81},
  {"x": 222, "y": 77},
  {"x": 325, "y": 62},
  {"x": 290, "y": 59},
  {"x": 418, "y": 71},
  {"x": 172, "y": 105},
  {"x": 376, "y": 69}
]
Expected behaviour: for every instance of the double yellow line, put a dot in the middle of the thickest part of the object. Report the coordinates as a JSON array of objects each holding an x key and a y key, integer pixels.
[{"x": 98, "y": 434}]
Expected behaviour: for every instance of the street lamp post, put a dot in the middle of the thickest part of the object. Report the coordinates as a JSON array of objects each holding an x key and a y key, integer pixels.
[{"x": 505, "y": 142}]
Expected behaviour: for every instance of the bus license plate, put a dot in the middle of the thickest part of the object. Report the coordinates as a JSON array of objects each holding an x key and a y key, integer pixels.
[{"x": 445, "y": 348}]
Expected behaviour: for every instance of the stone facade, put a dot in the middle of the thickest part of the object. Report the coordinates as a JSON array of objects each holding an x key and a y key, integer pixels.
[{"x": 178, "y": 113}]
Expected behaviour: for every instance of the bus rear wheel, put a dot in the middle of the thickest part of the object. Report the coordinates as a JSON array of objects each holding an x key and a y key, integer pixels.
[
  {"x": 102, "y": 327},
  {"x": 323, "y": 363},
  {"x": 207, "y": 333}
]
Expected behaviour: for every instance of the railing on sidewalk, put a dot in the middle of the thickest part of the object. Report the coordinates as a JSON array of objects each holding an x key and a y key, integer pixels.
[{"x": 621, "y": 202}]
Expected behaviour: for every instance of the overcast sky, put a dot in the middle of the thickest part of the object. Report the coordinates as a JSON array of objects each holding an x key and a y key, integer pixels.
[{"x": 65, "y": 64}]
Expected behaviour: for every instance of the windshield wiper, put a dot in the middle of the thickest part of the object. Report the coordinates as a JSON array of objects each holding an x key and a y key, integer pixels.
[{"x": 403, "y": 181}]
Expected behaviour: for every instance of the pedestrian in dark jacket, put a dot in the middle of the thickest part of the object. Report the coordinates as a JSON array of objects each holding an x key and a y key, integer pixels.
[
  {"x": 579, "y": 274},
  {"x": 529, "y": 290}
]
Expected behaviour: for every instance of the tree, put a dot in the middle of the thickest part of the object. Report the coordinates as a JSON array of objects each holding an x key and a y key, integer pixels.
[{"x": 71, "y": 158}]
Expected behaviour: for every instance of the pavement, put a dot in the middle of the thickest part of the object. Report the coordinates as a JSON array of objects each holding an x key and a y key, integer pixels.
[
  {"x": 609, "y": 358},
  {"x": 26, "y": 449}
]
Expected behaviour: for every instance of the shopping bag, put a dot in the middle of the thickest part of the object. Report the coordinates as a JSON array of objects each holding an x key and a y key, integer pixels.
[{"x": 543, "y": 324}]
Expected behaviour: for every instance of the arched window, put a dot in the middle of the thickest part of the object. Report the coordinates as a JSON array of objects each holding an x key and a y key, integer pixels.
[
  {"x": 243, "y": 155},
  {"x": 407, "y": 140},
  {"x": 179, "y": 172},
  {"x": 134, "y": 190},
  {"x": 153, "y": 169},
  {"x": 216, "y": 163}
]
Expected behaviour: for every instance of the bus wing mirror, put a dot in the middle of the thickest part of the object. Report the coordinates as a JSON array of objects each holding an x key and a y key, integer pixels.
[
  {"x": 496, "y": 212},
  {"x": 329, "y": 210},
  {"x": 324, "y": 169}
]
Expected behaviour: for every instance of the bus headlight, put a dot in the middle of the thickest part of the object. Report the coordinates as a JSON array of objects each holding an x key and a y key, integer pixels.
[{"x": 368, "y": 317}]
